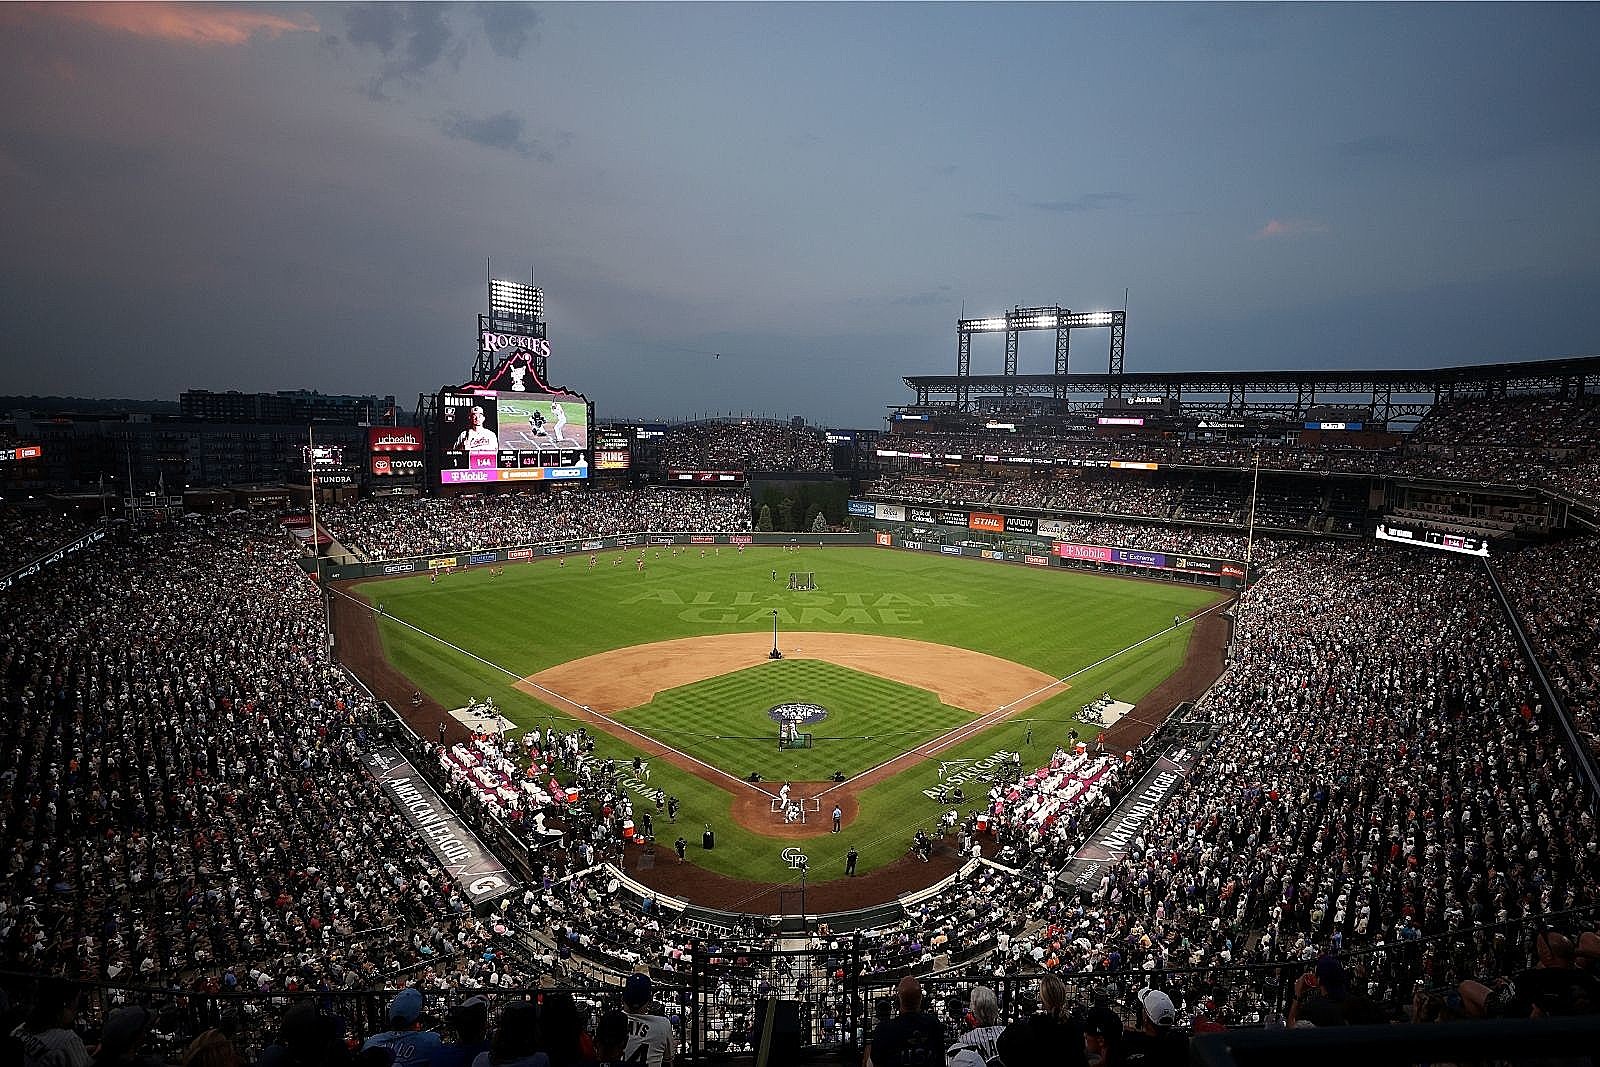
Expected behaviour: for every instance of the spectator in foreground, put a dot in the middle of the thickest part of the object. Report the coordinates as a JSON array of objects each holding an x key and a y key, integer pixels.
[
  {"x": 411, "y": 1044},
  {"x": 122, "y": 1036},
  {"x": 1158, "y": 1042},
  {"x": 611, "y": 1039},
  {"x": 976, "y": 1047},
  {"x": 913, "y": 1037},
  {"x": 1051, "y": 1035},
  {"x": 516, "y": 1039},
  {"x": 470, "y": 1021},
  {"x": 212, "y": 1048},
  {"x": 1552, "y": 987},
  {"x": 48, "y": 1039},
  {"x": 650, "y": 1037}
]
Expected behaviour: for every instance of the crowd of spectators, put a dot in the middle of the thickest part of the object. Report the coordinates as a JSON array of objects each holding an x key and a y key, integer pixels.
[
  {"x": 185, "y": 800},
  {"x": 747, "y": 446},
  {"x": 184, "y": 796},
  {"x": 1382, "y": 773},
  {"x": 1069, "y": 491},
  {"x": 1525, "y": 440},
  {"x": 1556, "y": 593},
  {"x": 390, "y": 528},
  {"x": 27, "y": 533}
]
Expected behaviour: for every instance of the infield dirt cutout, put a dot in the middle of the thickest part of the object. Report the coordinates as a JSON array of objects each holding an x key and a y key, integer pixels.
[{"x": 608, "y": 682}]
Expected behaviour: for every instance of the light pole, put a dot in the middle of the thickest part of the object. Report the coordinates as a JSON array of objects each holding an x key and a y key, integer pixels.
[{"x": 774, "y": 654}]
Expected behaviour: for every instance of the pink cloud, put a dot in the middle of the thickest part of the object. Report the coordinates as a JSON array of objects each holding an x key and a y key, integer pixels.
[
  {"x": 200, "y": 25},
  {"x": 1290, "y": 228}
]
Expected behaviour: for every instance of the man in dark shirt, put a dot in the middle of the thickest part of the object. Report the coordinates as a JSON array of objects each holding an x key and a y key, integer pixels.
[
  {"x": 1554, "y": 987},
  {"x": 913, "y": 1038}
]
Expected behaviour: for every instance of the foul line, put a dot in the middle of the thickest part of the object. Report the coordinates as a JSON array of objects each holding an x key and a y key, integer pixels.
[
  {"x": 967, "y": 731},
  {"x": 648, "y": 741}
]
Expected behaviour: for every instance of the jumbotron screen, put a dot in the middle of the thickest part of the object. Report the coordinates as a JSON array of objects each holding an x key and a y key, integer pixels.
[{"x": 510, "y": 437}]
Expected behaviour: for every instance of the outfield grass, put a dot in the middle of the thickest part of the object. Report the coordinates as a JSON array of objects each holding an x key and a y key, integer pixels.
[
  {"x": 724, "y": 721},
  {"x": 542, "y": 614}
]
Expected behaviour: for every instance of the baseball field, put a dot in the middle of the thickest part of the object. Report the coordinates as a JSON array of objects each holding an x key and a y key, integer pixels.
[{"x": 897, "y": 664}]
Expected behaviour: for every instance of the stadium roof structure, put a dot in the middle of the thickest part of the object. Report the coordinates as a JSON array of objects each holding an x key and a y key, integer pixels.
[{"x": 1389, "y": 394}]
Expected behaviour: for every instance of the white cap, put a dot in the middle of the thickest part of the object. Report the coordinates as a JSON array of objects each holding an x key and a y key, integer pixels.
[{"x": 1158, "y": 1007}]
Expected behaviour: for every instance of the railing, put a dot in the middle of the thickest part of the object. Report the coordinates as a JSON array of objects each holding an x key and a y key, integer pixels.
[{"x": 833, "y": 993}]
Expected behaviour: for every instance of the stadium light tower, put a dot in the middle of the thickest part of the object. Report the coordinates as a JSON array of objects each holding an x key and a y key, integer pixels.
[{"x": 774, "y": 654}]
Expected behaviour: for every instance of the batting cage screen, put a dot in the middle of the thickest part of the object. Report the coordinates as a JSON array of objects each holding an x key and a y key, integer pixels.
[{"x": 802, "y": 580}]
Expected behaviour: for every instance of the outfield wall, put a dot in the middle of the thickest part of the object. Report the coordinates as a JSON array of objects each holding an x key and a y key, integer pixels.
[{"x": 524, "y": 553}]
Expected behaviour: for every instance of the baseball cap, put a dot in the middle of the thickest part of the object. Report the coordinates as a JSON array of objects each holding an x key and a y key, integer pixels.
[
  {"x": 406, "y": 1006},
  {"x": 124, "y": 1027},
  {"x": 637, "y": 989},
  {"x": 1158, "y": 1007}
]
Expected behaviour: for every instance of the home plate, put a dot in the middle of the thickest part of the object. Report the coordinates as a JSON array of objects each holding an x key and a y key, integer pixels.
[{"x": 481, "y": 721}]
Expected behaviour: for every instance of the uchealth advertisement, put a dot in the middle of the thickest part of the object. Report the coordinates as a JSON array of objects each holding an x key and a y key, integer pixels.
[
  {"x": 394, "y": 439},
  {"x": 475, "y": 869}
]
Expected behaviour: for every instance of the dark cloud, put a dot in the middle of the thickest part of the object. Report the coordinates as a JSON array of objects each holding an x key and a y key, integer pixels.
[
  {"x": 504, "y": 131},
  {"x": 1086, "y": 202},
  {"x": 378, "y": 25},
  {"x": 509, "y": 27},
  {"x": 411, "y": 37}
]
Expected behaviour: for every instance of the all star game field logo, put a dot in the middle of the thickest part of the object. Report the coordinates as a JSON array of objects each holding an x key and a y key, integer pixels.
[{"x": 798, "y": 714}]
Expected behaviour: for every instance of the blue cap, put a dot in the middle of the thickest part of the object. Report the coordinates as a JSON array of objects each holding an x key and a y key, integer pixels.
[
  {"x": 637, "y": 989},
  {"x": 406, "y": 1006}
]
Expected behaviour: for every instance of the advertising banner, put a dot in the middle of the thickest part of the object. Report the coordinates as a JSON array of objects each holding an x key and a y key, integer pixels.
[
  {"x": 482, "y": 557},
  {"x": 394, "y": 439},
  {"x": 387, "y": 466},
  {"x": 884, "y": 539},
  {"x": 716, "y": 477},
  {"x": 1129, "y": 465},
  {"x": 702, "y": 539},
  {"x": 519, "y": 553},
  {"x": 741, "y": 539},
  {"x": 592, "y": 546},
  {"x": 950, "y": 550},
  {"x": 1137, "y": 558},
  {"x": 1037, "y": 561},
  {"x": 1055, "y": 528},
  {"x": 399, "y": 568},
  {"x": 865, "y": 509},
  {"x": 953, "y": 518},
  {"x": 1231, "y": 571},
  {"x": 892, "y": 512},
  {"x": 474, "y": 868},
  {"x": 1112, "y": 841},
  {"x": 11, "y": 455},
  {"x": 920, "y": 515},
  {"x": 979, "y": 520},
  {"x": 1016, "y": 525},
  {"x": 1089, "y": 552},
  {"x": 915, "y": 546},
  {"x": 439, "y": 563}
]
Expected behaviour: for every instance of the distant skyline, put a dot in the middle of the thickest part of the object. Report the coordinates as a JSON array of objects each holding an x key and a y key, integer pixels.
[{"x": 784, "y": 208}]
